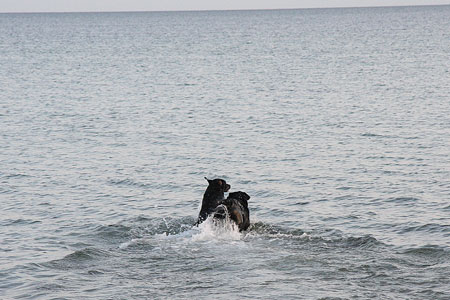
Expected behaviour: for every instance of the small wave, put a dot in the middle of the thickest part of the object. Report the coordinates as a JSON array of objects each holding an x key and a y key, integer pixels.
[
  {"x": 429, "y": 251},
  {"x": 375, "y": 135},
  {"x": 402, "y": 199},
  {"x": 79, "y": 259},
  {"x": 129, "y": 182},
  {"x": 95, "y": 272},
  {"x": 84, "y": 254},
  {"x": 17, "y": 175},
  {"x": 186, "y": 84},
  {"x": 112, "y": 231},
  {"x": 365, "y": 242},
  {"x": 429, "y": 228},
  {"x": 368, "y": 134},
  {"x": 19, "y": 221}
]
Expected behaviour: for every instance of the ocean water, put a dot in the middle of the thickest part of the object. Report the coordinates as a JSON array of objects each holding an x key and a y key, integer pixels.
[{"x": 335, "y": 121}]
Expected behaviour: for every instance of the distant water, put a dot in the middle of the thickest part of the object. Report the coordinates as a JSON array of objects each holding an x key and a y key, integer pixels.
[{"x": 335, "y": 121}]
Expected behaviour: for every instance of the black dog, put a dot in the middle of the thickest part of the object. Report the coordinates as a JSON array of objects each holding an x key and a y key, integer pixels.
[
  {"x": 212, "y": 198},
  {"x": 236, "y": 207}
]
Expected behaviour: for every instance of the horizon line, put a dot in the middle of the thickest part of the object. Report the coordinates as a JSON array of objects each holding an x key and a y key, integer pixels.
[{"x": 218, "y": 10}]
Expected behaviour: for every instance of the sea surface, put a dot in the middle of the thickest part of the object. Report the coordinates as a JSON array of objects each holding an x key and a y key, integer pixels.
[{"x": 335, "y": 121}]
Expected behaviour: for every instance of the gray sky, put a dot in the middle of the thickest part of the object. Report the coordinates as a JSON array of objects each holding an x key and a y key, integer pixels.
[{"x": 152, "y": 5}]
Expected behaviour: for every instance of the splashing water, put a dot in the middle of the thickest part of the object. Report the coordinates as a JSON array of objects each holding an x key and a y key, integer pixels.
[{"x": 213, "y": 229}]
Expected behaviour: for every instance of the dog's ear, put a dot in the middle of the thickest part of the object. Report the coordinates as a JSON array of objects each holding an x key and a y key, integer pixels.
[
  {"x": 209, "y": 181},
  {"x": 244, "y": 195}
]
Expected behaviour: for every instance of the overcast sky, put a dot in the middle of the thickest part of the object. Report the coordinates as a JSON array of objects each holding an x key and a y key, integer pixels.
[{"x": 158, "y": 5}]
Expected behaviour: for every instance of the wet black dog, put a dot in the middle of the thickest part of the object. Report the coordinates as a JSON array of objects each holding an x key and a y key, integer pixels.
[
  {"x": 235, "y": 206},
  {"x": 213, "y": 196}
]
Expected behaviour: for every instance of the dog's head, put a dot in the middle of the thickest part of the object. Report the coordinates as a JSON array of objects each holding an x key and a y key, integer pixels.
[
  {"x": 239, "y": 196},
  {"x": 218, "y": 185}
]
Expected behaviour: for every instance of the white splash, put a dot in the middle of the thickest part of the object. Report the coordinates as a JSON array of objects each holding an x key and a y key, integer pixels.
[{"x": 219, "y": 230}]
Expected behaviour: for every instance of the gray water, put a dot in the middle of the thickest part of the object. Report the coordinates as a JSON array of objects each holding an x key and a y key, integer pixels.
[{"x": 335, "y": 121}]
